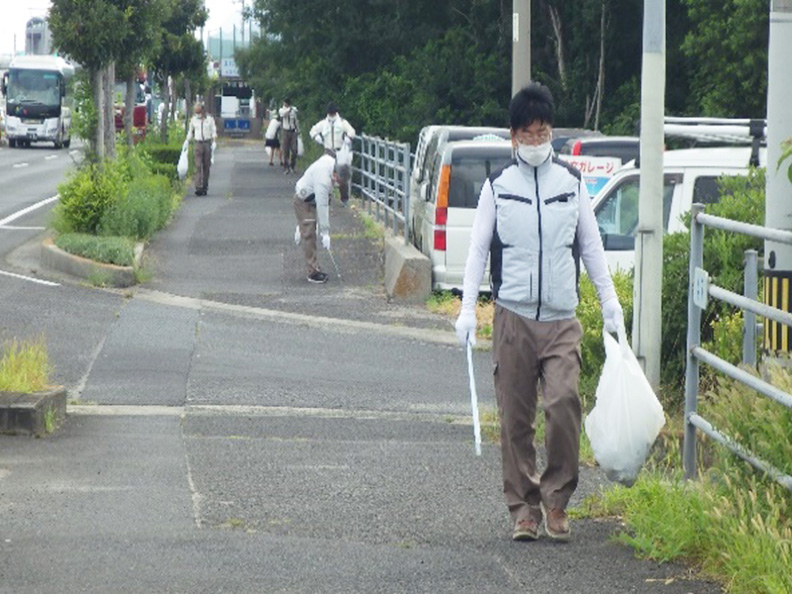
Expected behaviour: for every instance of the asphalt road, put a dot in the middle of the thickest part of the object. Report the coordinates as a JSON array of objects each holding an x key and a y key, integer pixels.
[{"x": 233, "y": 428}]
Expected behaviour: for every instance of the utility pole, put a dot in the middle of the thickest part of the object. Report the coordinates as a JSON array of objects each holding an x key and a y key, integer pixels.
[
  {"x": 648, "y": 284},
  {"x": 778, "y": 200},
  {"x": 521, "y": 44}
]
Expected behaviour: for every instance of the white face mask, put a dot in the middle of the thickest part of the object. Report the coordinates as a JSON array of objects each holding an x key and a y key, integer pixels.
[
  {"x": 331, "y": 118},
  {"x": 534, "y": 155}
]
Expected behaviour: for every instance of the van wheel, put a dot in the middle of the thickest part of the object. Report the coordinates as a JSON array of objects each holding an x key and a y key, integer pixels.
[
  {"x": 12, "y": 143},
  {"x": 67, "y": 142}
]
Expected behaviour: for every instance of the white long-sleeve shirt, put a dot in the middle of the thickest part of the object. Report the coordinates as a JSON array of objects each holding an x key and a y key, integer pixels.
[
  {"x": 202, "y": 129},
  {"x": 288, "y": 116},
  {"x": 484, "y": 226},
  {"x": 316, "y": 185},
  {"x": 330, "y": 133}
]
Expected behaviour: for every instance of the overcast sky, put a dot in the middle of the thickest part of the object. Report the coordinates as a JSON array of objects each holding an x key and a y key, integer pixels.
[{"x": 15, "y": 13}]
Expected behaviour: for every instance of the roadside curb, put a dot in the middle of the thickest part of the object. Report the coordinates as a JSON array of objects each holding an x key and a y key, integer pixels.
[
  {"x": 110, "y": 274},
  {"x": 37, "y": 414}
]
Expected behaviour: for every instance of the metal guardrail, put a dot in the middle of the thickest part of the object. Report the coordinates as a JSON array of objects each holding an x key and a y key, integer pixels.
[
  {"x": 382, "y": 179},
  {"x": 700, "y": 291}
]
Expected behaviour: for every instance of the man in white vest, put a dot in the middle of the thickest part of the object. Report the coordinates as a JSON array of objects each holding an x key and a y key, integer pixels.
[{"x": 535, "y": 221}]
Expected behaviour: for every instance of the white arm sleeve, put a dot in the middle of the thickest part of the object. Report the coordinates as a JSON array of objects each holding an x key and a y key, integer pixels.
[
  {"x": 480, "y": 239},
  {"x": 591, "y": 250},
  {"x": 322, "y": 191}
]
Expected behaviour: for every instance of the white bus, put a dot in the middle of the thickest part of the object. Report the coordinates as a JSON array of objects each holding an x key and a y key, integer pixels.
[{"x": 38, "y": 101}]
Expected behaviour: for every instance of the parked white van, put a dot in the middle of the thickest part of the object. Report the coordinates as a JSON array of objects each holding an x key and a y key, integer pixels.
[
  {"x": 430, "y": 140},
  {"x": 443, "y": 215},
  {"x": 690, "y": 175}
]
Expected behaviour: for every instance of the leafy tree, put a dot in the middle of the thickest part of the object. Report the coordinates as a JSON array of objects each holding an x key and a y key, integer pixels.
[
  {"x": 144, "y": 20},
  {"x": 727, "y": 43},
  {"x": 89, "y": 32},
  {"x": 178, "y": 51}
]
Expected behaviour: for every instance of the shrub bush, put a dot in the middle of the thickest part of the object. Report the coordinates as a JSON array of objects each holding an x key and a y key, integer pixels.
[
  {"x": 88, "y": 193},
  {"x": 110, "y": 250},
  {"x": 144, "y": 209},
  {"x": 589, "y": 312},
  {"x": 164, "y": 153},
  {"x": 742, "y": 199}
]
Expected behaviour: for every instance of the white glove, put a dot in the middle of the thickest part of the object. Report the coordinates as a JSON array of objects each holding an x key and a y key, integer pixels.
[
  {"x": 297, "y": 235},
  {"x": 214, "y": 146},
  {"x": 326, "y": 241},
  {"x": 612, "y": 316},
  {"x": 465, "y": 327}
]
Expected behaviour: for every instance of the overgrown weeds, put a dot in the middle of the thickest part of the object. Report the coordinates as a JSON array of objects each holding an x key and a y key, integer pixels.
[{"x": 24, "y": 366}]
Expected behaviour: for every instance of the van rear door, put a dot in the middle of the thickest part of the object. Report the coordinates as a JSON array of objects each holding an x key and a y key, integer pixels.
[{"x": 470, "y": 169}]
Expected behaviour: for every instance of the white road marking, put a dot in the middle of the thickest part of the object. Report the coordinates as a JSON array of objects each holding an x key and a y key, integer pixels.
[
  {"x": 25, "y": 211},
  {"x": 20, "y": 165},
  {"x": 15, "y": 228},
  {"x": 50, "y": 157},
  {"x": 30, "y": 279}
]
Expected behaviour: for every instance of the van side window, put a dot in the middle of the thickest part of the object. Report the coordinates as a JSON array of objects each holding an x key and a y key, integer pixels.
[
  {"x": 706, "y": 190},
  {"x": 428, "y": 159}
]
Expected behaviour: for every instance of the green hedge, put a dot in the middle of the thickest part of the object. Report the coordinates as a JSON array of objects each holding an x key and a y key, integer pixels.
[{"x": 164, "y": 153}]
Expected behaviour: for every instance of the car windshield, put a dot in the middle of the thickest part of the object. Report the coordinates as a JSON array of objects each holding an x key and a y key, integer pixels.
[{"x": 37, "y": 87}]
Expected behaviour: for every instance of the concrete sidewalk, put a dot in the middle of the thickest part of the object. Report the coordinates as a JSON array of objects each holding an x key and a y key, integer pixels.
[{"x": 236, "y": 429}]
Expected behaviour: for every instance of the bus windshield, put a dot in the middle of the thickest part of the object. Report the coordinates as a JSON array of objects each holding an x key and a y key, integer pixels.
[{"x": 34, "y": 87}]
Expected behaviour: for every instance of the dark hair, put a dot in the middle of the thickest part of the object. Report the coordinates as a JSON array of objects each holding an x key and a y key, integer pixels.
[
  {"x": 331, "y": 108},
  {"x": 531, "y": 103},
  {"x": 287, "y": 101}
]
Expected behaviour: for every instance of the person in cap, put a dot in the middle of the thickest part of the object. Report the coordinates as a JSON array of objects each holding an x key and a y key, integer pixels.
[
  {"x": 203, "y": 132},
  {"x": 332, "y": 131},
  {"x": 312, "y": 205},
  {"x": 535, "y": 221}
]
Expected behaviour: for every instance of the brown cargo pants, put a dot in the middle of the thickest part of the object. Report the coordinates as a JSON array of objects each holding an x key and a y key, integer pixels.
[
  {"x": 306, "y": 219},
  {"x": 528, "y": 354},
  {"x": 202, "y": 155}
]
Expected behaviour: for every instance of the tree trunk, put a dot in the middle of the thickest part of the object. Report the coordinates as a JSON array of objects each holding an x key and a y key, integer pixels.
[
  {"x": 98, "y": 90},
  {"x": 109, "y": 110},
  {"x": 129, "y": 107},
  {"x": 166, "y": 111},
  {"x": 555, "y": 19},
  {"x": 189, "y": 103}
]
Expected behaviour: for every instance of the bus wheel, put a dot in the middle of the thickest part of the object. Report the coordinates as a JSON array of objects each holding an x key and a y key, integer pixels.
[{"x": 12, "y": 143}]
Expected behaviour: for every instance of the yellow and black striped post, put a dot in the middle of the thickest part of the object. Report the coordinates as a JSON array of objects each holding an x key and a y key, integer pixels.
[{"x": 778, "y": 294}]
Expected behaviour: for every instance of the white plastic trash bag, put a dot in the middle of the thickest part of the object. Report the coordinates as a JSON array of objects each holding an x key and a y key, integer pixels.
[
  {"x": 272, "y": 129},
  {"x": 627, "y": 416},
  {"x": 344, "y": 155},
  {"x": 183, "y": 166},
  {"x": 300, "y": 147}
]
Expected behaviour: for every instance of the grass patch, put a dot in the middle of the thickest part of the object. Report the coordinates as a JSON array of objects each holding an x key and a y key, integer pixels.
[
  {"x": 448, "y": 304},
  {"x": 24, "y": 366},
  {"x": 371, "y": 228},
  {"x": 109, "y": 250}
]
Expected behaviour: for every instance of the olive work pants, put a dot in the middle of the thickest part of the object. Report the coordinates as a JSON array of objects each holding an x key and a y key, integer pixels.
[
  {"x": 306, "y": 219},
  {"x": 528, "y": 354},
  {"x": 202, "y": 155}
]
